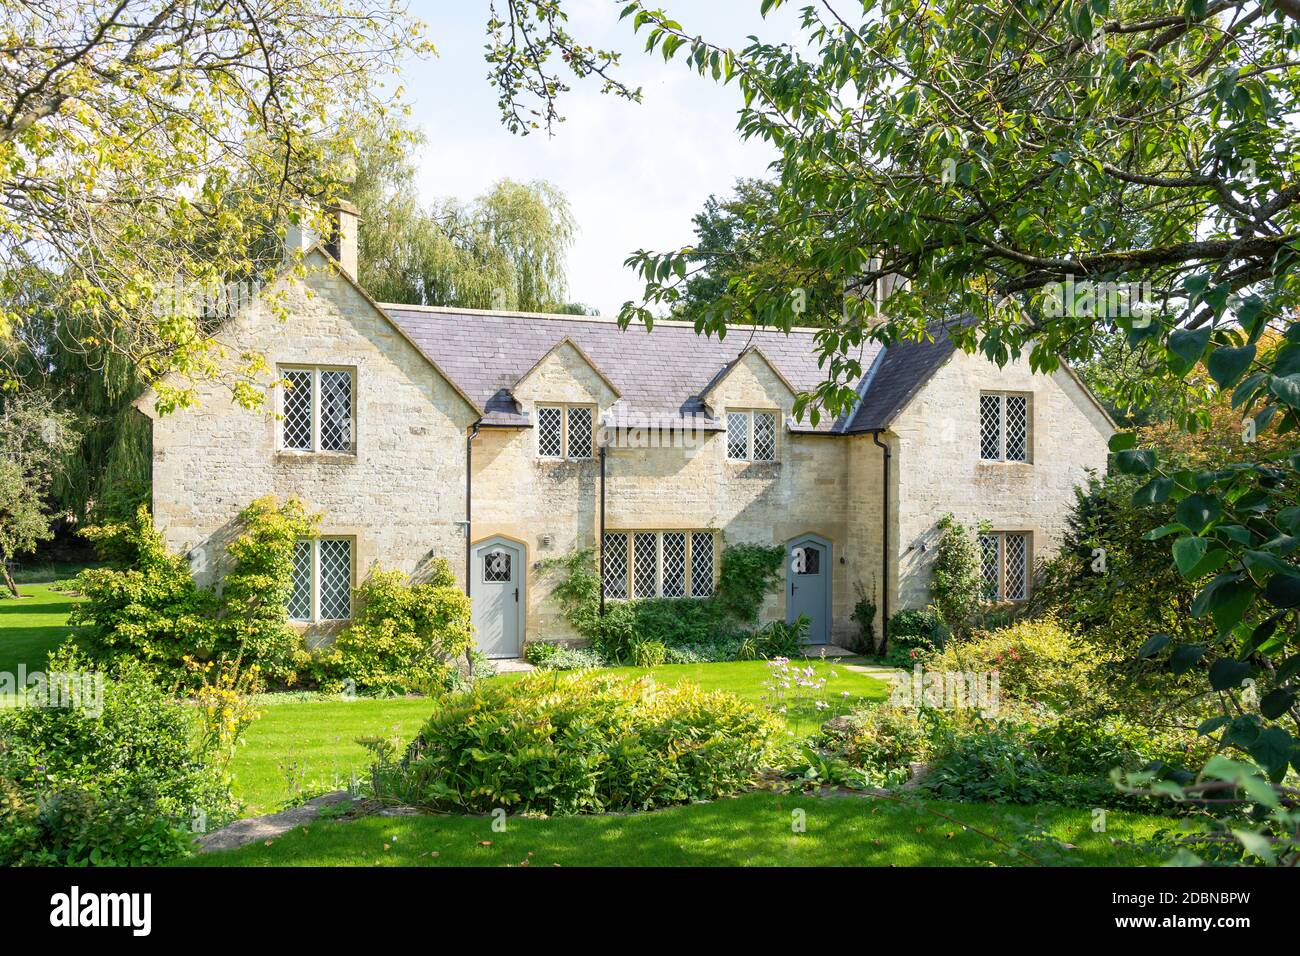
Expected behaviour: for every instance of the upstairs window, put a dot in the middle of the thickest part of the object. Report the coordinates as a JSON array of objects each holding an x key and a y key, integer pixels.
[
  {"x": 1004, "y": 565},
  {"x": 751, "y": 436},
  {"x": 1004, "y": 426},
  {"x": 322, "y": 580},
  {"x": 644, "y": 564},
  {"x": 318, "y": 409},
  {"x": 565, "y": 431}
]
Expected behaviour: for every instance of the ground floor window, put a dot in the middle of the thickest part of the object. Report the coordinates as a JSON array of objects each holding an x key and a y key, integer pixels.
[
  {"x": 1005, "y": 563},
  {"x": 322, "y": 579},
  {"x": 644, "y": 564}
]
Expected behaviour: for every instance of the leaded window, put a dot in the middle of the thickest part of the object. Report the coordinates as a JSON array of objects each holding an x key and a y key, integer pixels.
[
  {"x": 738, "y": 436},
  {"x": 674, "y": 564},
  {"x": 550, "y": 431},
  {"x": 751, "y": 436},
  {"x": 318, "y": 409},
  {"x": 701, "y": 563},
  {"x": 613, "y": 560},
  {"x": 565, "y": 431},
  {"x": 1004, "y": 426},
  {"x": 1005, "y": 563},
  {"x": 322, "y": 580},
  {"x": 643, "y": 564}
]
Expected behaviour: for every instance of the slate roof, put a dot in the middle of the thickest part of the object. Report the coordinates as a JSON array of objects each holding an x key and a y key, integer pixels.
[{"x": 662, "y": 373}]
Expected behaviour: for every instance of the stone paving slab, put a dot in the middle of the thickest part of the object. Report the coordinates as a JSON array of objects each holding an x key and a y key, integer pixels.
[{"x": 242, "y": 832}]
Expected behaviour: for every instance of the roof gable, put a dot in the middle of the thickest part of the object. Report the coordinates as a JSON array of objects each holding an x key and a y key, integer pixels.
[
  {"x": 737, "y": 362},
  {"x": 553, "y": 352}
]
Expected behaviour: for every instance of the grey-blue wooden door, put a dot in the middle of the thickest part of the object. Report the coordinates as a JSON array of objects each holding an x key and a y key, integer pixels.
[
  {"x": 808, "y": 584},
  {"x": 496, "y": 598}
]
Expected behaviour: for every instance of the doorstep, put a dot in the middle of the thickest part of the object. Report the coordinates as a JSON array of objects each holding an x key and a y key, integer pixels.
[
  {"x": 827, "y": 650},
  {"x": 508, "y": 665}
]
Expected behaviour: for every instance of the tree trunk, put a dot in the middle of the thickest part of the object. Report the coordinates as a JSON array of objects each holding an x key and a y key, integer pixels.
[{"x": 9, "y": 580}]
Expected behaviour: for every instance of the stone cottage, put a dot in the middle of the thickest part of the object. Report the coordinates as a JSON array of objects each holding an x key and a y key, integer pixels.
[{"x": 499, "y": 439}]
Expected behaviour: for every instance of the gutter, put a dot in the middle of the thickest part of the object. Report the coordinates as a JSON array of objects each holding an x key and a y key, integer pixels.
[{"x": 884, "y": 546}]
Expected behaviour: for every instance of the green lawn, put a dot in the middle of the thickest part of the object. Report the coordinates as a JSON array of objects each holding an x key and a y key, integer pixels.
[
  {"x": 310, "y": 745},
  {"x": 31, "y": 626},
  {"x": 755, "y": 829}
]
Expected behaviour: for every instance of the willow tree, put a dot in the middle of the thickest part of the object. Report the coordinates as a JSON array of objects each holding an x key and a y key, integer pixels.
[{"x": 504, "y": 250}]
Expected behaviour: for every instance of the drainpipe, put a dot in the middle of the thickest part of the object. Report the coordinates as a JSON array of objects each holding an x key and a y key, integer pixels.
[
  {"x": 469, "y": 538},
  {"x": 469, "y": 475},
  {"x": 600, "y": 543},
  {"x": 884, "y": 546}
]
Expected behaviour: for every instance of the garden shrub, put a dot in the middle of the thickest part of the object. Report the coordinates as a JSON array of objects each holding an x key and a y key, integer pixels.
[
  {"x": 648, "y": 653},
  {"x": 1064, "y": 761},
  {"x": 956, "y": 582},
  {"x": 552, "y": 655},
  {"x": 864, "y": 613},
  {"x": 914, "y": 635},
  {"x": 884, "y": 741},
  {"x": 747, "y": 573},
  {"x": 152, "y": 610},
  {"x": 775, "y": 639},
  {"x": 404, "y": 637},
  {"x": 1038, "y": 661},
  {"x": 117, "y": 787},
  {"x": 577, "y": 743}
]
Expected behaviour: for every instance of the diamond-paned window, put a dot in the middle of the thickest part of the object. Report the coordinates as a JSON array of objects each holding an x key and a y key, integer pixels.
[
  {"x": 335, "y": 579},
  {"x": 550, "y": 431},
  {"x": 674, "y": 564},
  {"x": 1005, "y": 565},
  {"x": 322, "y": 580},
  {"x": 1004, "y": 426},
  {"x": 300, "y": 597},
  {"x": 613, "y": 559},
  {"x": 496, "y": 566},
  {"x": 807, "y": 560},
  {"x": 1016, "y": 547},
  {"x": 990, "y": 427},
  {"x": 645, "y": 560},
  {"x": 1017, "y": 428},
  {"x": 579, "y": 433},
  {"x": 296, "y": 429},
  {"x": 764, "y": 436},
  {"x": 738, "y": 435},
  {"x": 335, "y": 410},
  {"x": 990, "y": 565},
  {"x": 701, "y": 563},
  {"x": 316, "y": 410}
]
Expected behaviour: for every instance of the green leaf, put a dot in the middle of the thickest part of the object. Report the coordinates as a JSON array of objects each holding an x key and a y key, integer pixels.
[
  {"x": 1122, "y": 441},
  {"x": 1276, "y": 703},
  {"x": 1189, "y": 344},
  {"x": 1188, "y": 552},
  {"x": 1184, "y": 657},
  {"x": 1286, "y": 389},
  {"x": 1153, "y": 645},
  {"x": 1198, "y": 511},
  {"x": 1226, "y": 673},
  {"x": 1164, "y": 531},
  {"x": 1208, "y": 727},
  {"x": 1272, "y": 748},
  {"x": 1283, "y": 590},
  {"x": 1153, "y": 492},
  {"x": 1227, "y": 365},
  {"x": 1134, "y": 461}
]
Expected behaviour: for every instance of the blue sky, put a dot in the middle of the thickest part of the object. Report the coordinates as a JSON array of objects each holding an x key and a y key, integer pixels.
[{"x": 635, "y": 174}]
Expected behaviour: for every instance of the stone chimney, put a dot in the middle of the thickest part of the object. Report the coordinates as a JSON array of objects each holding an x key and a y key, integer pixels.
[{"x": 342, "y": 221}]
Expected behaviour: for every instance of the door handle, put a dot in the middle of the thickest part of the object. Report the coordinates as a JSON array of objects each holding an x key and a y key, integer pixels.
[{"x": 516, "y": 595}]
